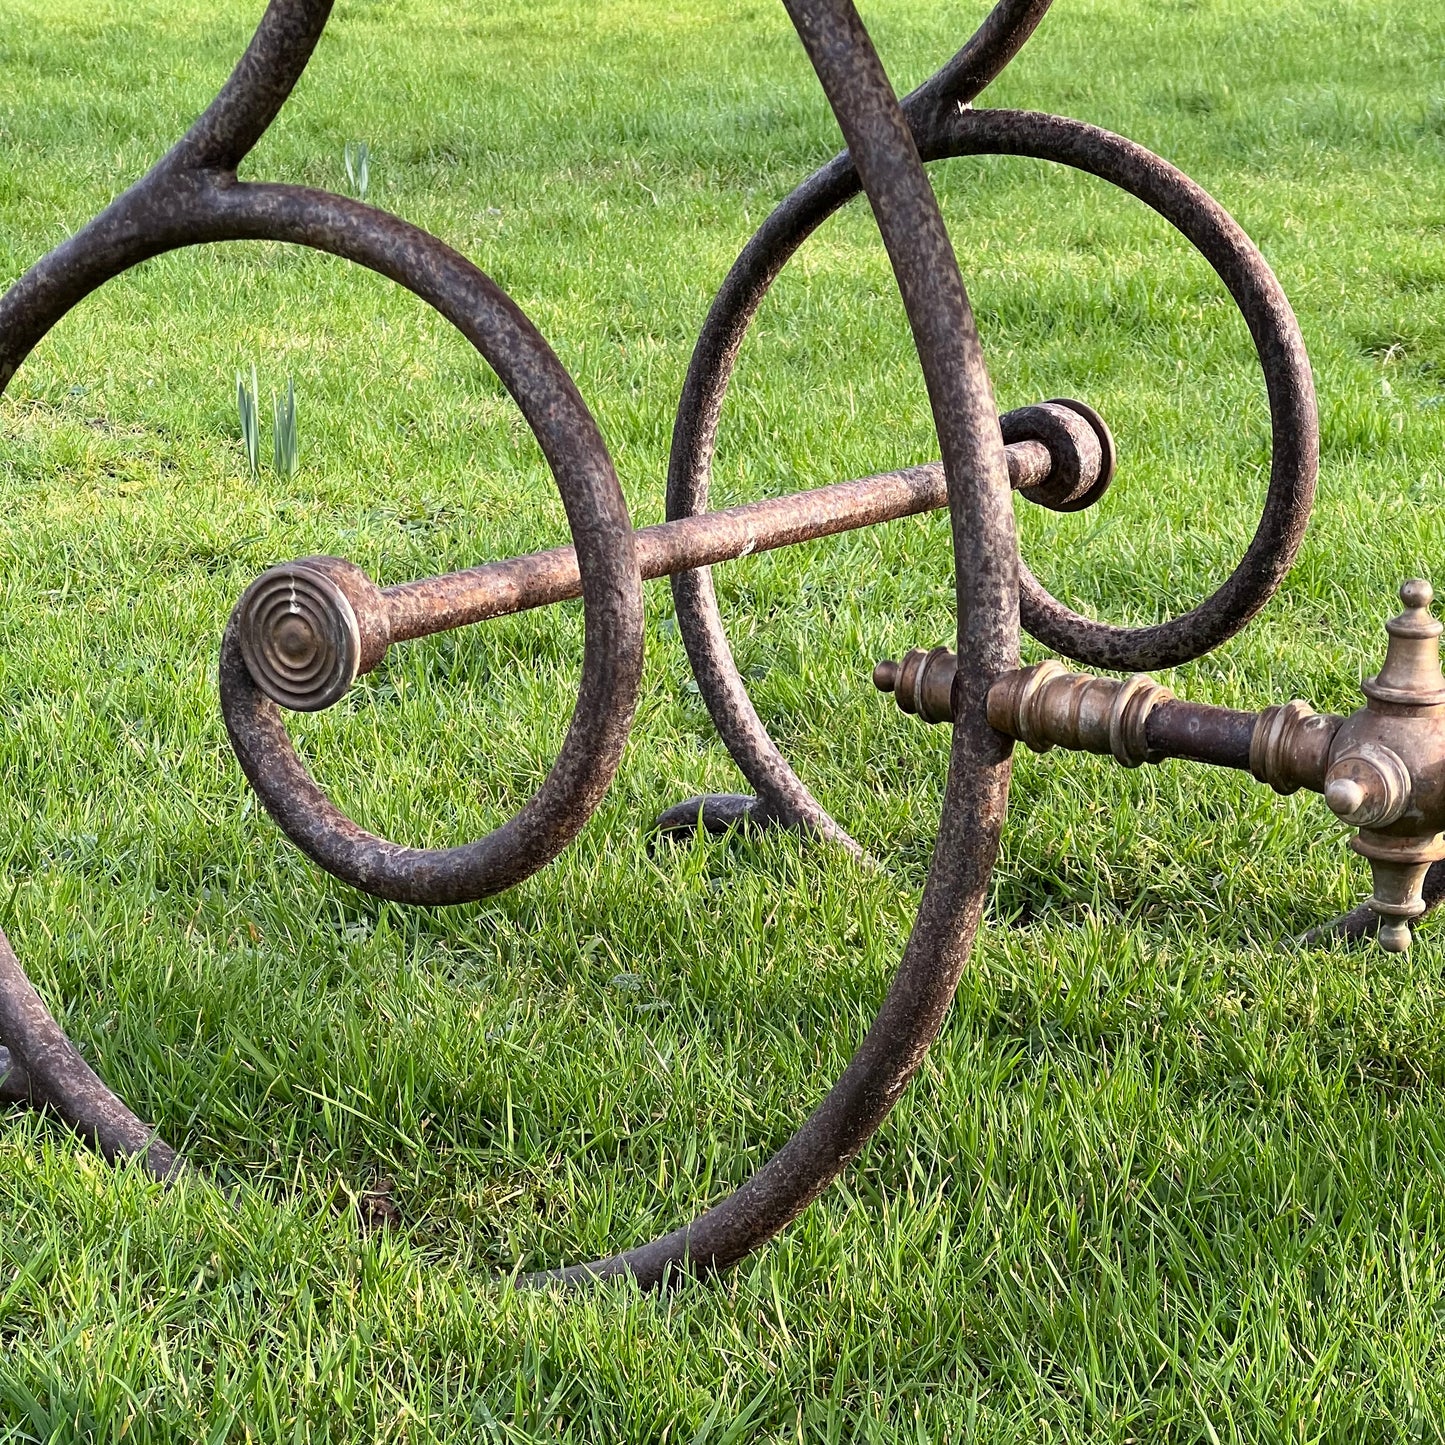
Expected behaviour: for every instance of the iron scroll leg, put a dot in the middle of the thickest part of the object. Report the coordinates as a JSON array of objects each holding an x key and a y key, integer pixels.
[{"x": 304, "y": 630}]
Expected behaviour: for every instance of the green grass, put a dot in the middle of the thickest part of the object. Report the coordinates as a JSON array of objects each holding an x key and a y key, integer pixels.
[{"x": 1163, "y": 1177}]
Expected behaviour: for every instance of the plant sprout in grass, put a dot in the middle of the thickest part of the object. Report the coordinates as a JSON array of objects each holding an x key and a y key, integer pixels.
[
  {"x": 285, "y": 442},
  {"x": 249, "y": 411},
  {"x": 358, "y": 167}
]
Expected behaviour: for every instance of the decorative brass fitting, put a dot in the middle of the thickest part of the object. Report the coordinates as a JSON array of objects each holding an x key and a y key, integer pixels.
[
  {"x": 1387, "y": 767},
  {"x": 922, "y": 683},
  {"x": 1043, "y": 706},
  {"x": 1290, "y": 747},
  {"x": 308, "y": 629},
  {"x": 1381, "y": 770},
  {"x": 1046, "y": 706}
]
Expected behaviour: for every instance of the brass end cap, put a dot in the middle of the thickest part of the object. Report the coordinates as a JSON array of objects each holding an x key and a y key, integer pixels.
[
  {"x": 1368, "y": 786},
  {"x": 307, "y": 629},
  {"x": 922, "y": 683}
]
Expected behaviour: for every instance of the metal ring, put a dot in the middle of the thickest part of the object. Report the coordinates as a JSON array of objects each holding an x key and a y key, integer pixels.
[
  {"x": 1030, "y": 729},
  {"x": 1134, "y": 699}
]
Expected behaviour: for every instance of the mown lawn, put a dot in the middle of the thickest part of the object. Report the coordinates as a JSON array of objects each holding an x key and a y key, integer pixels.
[{"x": 1165, "y": 1176}]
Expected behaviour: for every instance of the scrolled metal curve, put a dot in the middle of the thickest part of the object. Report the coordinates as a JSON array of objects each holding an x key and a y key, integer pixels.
[
  {"x": 596, "y": 513},
  {"x": 976, "y": 794},
  {"x": 782, "y": 797},
  {"x": 192, "y": 196},
  {"x": 945, "y": 126},
  {"x": 1294, "y": 460},
  {"x": 601, "y": 530}
]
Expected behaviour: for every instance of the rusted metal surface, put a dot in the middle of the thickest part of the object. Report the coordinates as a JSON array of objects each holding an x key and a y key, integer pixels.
[
  {"x": 987, "y": 586},
  {"x": 306, "y": 629},
  {"x": 945, "y": 125},
  {"x": 14, "y": 1081},
  {"x": 439, "y": 604},
  {"x": 1197, "y": 733},
  {"x": 56, "y": 1078}
]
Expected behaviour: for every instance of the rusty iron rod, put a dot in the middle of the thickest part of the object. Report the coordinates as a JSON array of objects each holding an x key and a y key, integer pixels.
[
  {"x": 517, "y": 584},
  {"x": 307, "y": 629}
]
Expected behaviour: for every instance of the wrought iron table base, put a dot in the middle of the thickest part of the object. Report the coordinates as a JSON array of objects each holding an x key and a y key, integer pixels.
[{"x": 305, "y": 630}]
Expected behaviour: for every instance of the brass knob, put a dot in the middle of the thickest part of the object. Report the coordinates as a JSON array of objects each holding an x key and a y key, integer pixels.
[
  {"x": 1368, "y": 786},
  {"x": 1345, "y": 797},
  {"x": 921, "y": 683},
  {"x": 308, "y": 628},
  {"x": 1411, "y": 674}
]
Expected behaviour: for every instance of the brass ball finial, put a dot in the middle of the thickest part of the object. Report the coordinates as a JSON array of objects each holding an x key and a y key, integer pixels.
[
  {"x": 1417, "y": 593},
  {"x": 1345, "y": 796},
  {"x": 1394, "y": 935},
  {"x": 1411, "y": 676}
]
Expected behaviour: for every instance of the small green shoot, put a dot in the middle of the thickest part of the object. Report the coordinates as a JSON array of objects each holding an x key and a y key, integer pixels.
[
  {"x": 358, "y": 167},
  {"x": 285, "y": 443},
  {"x": 249, "y": 409}
]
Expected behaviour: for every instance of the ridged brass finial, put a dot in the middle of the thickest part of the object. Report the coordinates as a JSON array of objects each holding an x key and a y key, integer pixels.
[
  {"x": 921, "y": 682},
  {"x": 1411, "y": 675}
]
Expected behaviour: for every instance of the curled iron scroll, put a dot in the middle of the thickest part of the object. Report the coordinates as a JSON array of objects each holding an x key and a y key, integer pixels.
[{"x": 192, "y": 196}]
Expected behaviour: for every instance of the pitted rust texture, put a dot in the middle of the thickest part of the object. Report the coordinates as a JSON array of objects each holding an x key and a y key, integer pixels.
[
  {"x": 305, "y": 629},
  {"x": 308, "y": 629}
]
